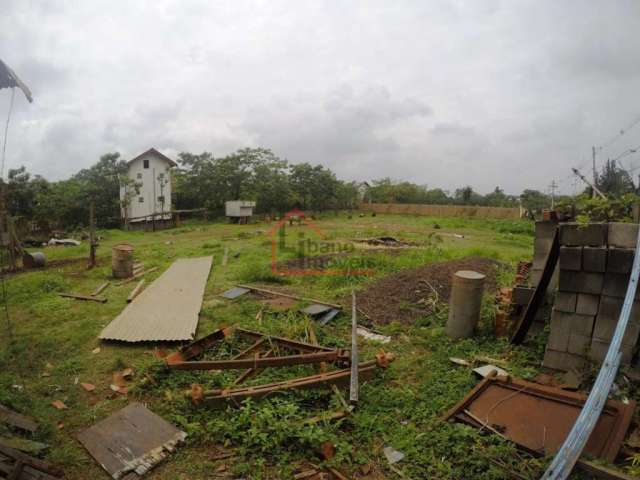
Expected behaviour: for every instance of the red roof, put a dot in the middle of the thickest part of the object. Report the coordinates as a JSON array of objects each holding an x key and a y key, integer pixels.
[{"x": 153, "y": 151}]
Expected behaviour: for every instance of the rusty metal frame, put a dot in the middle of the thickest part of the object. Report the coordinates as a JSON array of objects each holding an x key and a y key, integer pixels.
[
  {"x": 221, "y": 398},
  {"x": 249, "y": 358},
  {"x": 622, "y": 413},
  {"x": 337, "y": 355}
]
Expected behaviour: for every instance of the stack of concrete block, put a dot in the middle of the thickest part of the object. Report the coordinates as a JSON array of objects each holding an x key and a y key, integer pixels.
[{"x": 595, "y": 263}]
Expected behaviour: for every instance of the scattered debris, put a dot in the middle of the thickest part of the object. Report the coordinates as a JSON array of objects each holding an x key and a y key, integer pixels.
[
  {"x": 59, "y": 404},
  {"x": 18, "y": 466},
  {"x": 460, "y": 361},
  {"x": 539, "y": 418},
  {"x": 388, "y": 242},
  {"x": 354, "y": 386},
  {"x": 88, "y": 387},
  {"x": 24, "y": 445},
  {"x": 294, "y": 297},
  {"x": 131, "y": 441},
  {"x": 64, "y": 241},
  {"x": 17, "y": 420},
  {"x": 374, "y": 337},
  {"x": 235, "y": 292},
  {"x": 136, "y": 276},
  {"x": 487, "y": 370},
  {"x": 392, "y": 455},
  {"x": 83, "y": 297},
  {"x": 95, "y": 350},
  {"x": 169, "y": 308}
]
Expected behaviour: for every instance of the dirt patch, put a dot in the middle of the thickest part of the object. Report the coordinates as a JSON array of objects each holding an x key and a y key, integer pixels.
[
  {"x": 407, "y": 295},
  {"x": 279, "y": 304}
]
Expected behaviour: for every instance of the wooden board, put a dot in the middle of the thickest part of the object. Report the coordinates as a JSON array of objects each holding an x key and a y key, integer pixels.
[{"x": 132, "y": 440}]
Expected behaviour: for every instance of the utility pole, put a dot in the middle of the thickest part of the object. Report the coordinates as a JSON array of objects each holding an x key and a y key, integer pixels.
[
  {"x": 595, "y": 174},
  {"x": 553, "y": 187},
  {"x": 593, "y": 187}
]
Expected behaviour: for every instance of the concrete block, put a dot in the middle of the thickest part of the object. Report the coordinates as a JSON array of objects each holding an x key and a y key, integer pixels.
[
  {"x": 623, "y": 235},
  {"x": 599, "y": 348},
  {"x": 571, "y": 258},
  {"x": 575, "y": 234},
  {"x": 521, "y": 295},
  {"x": 615, "y": 285},
  {"x": 545, "y": 229},
  {"x": 562, "y": 360},
  {"x": 565, "y": 302},
  {"x": 579, "y": 344},
  {"x": 582, "y": 282},
  {"x": 620, "y": 260},
  {"x": 581, "y": 324},
  {"x": 535, "y": 275},
  {"x": 594, "y": 259},
  {"x": 587, "y": 304},
  {"x": 559, "y": 331}
]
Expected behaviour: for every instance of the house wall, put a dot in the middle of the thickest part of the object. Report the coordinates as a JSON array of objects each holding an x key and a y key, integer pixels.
[{"x": 150, "y": 189}]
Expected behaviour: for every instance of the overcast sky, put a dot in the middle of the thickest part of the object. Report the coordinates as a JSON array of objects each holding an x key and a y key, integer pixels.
[{"x": 439, "y": 92}]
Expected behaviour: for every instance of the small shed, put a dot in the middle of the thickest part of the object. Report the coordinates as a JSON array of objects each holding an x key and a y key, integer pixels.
[{"x": 239, "y": 210}]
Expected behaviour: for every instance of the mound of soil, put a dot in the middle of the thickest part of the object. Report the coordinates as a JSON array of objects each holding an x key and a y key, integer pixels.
[{"x": 404, "y": 296}]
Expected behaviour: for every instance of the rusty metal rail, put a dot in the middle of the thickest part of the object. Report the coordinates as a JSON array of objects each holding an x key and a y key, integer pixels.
[
  {"x": 264, "y": 362},
  {"x": 222, "y": 398}
]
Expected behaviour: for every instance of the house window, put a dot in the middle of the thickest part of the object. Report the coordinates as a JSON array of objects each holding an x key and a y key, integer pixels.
[
  {"x": 145, "y": 163},
  {"x": 161, "y": 176},
  {"x": 140, "y": 199},
  {"x": 139, "y": 175},
  {"x": 161, "y": 199}
]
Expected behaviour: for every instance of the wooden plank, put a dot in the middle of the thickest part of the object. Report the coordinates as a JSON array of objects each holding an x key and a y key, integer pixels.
[
  {"x": 17, "y": 420},
  {"x": 136, "y": 291},
  {"x": 136, "y": 276},
  {"x": 100, "y": 289},
  {"x": 87, "y": 298}
]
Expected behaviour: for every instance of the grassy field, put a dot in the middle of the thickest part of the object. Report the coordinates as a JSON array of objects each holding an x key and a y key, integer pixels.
[{"x": 54, "y": 337}]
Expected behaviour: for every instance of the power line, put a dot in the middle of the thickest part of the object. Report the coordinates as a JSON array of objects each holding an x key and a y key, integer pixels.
[{"x": 619, "y": 134}]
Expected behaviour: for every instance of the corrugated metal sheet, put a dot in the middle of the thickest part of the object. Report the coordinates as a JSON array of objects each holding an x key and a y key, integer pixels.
[{"x": 167, "y": 310}]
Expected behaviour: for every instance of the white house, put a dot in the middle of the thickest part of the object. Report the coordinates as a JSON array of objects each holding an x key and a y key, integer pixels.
[{"x": 149, "y": 188}]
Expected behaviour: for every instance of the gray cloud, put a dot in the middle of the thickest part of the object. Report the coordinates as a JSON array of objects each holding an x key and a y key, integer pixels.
[{"x": 444, "y": 93}]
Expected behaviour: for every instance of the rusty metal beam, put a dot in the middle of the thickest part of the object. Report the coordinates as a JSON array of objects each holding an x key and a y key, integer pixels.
[
  {"x": 264, "y": 362},
  {"x": 250, "y": 372},
  {"x": 196, "y": 348},
  {"x": 221, "y": 398},
  {"x": 284, "y": 342}
]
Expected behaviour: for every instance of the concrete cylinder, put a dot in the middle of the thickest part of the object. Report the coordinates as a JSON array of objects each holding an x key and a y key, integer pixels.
[
  {"x": 464, "y": 304},
  {"x": 33, "y": 260},
  {"x": 122, "y": 260}
]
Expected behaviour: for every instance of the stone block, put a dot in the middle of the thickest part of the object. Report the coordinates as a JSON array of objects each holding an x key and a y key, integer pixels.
[
  {"x": 521, "y": 295},
  {"x": 571, "y": 258},
  {"x": 587, "y": 304},
  {"x": 562, "y": 360},
  {"x": 545, "y": 229},
  {"x": 560, "y": 329},
  {"x": 599, "y": 348},
  {"x": 535, "y": 275},
  {"x": 566, "y": 302},
  {"x": 579, "y": 344},
  {"x": 623, "y": 235},
  {"x": 620, "y": 260},
  {"x": 582, "y": 282},
  {"x": 594, "y": 259},
  {"x": 615, "y": 285},
  {"x": 575, "y": 234}
]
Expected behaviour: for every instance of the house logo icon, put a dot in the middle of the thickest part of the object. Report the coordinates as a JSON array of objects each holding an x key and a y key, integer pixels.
[{"x": 299, "y": 247}]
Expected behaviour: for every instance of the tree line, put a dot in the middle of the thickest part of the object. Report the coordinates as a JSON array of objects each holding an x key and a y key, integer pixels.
[{"x": 204, "y": 181}]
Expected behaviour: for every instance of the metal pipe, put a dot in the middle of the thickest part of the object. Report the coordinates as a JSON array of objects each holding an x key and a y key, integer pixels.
[{"x": 566, "y": 458}]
